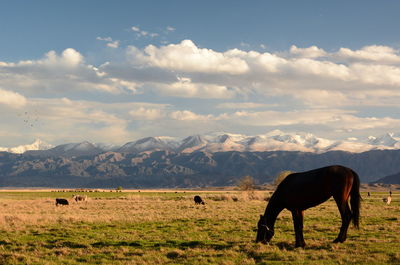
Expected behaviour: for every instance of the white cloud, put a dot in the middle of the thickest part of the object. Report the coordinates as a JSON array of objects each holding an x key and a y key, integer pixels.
[
  {"x": 64, "y": 120},
  {"x": 143, "y": 33},
  {"x": 104, "y": 39},
  {"x": 185, "y": 88},
  {"x": 72, "y": 56},
  {"x": 304, "y": 71},
  {"x": 60, "y": 74},
  {"x": 187, "y": 57},
  {"x": 376, "y": 74},
  {"x": 243, "y": 105},
  {"x": 374, "y": 53},
  {"x": 333, "y": 120},
  {"x": 320, "y": 98},
  {"x": 147, "y": 113},
  {"x": 321, "y": 69},
  {"x": 110, "y": 42},
  {"x": 69, "y": 57},
  {"x": 114, "y": 44},
  {"x": 12, "y": 99},
  {"x": 169, "y": 28},
  {"x": 232, "y": 90},
  {"x": 187, "y": 115},
  {"x": 310, "y": 52}
]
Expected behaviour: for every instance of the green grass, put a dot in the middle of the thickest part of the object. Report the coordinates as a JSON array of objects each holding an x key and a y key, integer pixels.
[{"x": 167, "y": 228}]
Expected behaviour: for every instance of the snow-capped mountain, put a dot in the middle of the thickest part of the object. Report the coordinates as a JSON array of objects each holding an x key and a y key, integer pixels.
[
  {"x": 218, "y": 142},
  {"x": 71, "y": 149},
  {"x": 150, "y": 144},
  {"x": 389, "y": 139},
  {"x": 36, "y": 145},
  {"x": 273, "y": 141},
  {"x": 192, "y": 143},
  {"x": 106, "y": 146}
]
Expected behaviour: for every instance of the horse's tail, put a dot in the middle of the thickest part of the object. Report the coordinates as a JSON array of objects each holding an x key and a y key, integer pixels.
[{"x": 355, "y": 199}]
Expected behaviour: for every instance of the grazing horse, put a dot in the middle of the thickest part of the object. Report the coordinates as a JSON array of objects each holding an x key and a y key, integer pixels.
[
  {"x": 300, "y": 191},
  {"x": 198, "y": 200}
]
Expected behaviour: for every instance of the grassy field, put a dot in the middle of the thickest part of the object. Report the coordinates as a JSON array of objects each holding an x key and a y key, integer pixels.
[{"x": 167, "y": 228}]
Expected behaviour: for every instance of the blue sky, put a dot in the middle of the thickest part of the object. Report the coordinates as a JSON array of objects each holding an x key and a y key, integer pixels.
[
  {"x": 31, "y": 28},
  {"x": 115, "y": 71}
]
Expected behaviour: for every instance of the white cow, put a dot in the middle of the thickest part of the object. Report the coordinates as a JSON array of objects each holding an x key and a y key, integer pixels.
[
  {"x": 79, "y": 198},
  {"x": 388, "y": 200}
]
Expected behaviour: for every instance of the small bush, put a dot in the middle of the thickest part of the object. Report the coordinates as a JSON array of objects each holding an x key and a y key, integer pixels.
[
  {"x": 246, "y": 183},
  {"x": 221, "y": 197}
]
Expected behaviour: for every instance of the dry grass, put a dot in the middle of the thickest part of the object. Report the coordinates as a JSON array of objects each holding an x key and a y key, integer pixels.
[
  {"x": 243, "y": 196},
  {"x": 168, "y": 228},
  {"x": 132, "y": 208}
]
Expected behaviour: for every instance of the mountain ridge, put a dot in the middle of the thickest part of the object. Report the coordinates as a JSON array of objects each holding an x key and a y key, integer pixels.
[
  {"x": 167, "y": 169},
  {"x": 220, "y": 142}
]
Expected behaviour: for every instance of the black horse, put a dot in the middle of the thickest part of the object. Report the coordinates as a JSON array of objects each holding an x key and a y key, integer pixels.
[{"x": 300, "y": 191}]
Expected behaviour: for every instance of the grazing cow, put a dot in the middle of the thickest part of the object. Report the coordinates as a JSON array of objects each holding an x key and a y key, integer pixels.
[
  {"x": 388, "y": 200},
  {"x": 79, "y": 198},
  {"x": 198, "y": 200},
  {"x": 61, "y": 201}
]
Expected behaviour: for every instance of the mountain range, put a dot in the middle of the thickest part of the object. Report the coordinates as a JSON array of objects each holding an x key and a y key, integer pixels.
[
  {"x": 217, "y": 159},
  {"x": 218, "y": 142}
]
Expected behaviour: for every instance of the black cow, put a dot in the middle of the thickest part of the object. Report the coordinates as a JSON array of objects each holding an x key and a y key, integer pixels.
[
  {"x": 198, "y": 200},
  {"x": 62, "y": 202}
]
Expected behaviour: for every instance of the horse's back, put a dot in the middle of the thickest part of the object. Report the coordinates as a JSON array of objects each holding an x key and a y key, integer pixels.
[{"x": 310, "y": 188}]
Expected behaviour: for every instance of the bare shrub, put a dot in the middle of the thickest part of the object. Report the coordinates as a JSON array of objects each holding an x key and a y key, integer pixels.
[
  {"x": 218, "y": 197},
  {"x": 255, "y": 196},
  {"x": 246, "y": 183}
]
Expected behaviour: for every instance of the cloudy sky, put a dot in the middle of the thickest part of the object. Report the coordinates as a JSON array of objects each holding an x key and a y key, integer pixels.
[{"x": 117, "y": 71}]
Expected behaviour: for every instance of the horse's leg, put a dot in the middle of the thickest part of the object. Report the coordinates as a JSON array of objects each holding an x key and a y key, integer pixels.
[
  {"x": 298, "y": 227},
  {"x": 345, "y": 214}
]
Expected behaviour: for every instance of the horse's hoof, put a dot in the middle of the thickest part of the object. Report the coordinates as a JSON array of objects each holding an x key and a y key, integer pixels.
[
  {"x": 300, "y": 245},
  {"x": 337, "y": 240}
]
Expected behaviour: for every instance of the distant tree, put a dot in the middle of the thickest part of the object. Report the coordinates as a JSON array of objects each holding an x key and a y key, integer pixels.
[
  {"x": 246, "y": 183},
  {"x": 119, "y": 188},
  {"x": 281, "y": 176}
]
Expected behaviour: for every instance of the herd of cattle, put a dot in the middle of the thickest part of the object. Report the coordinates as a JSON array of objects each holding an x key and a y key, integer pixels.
[
  {"x": 197, "y": 199},
  {"x": 84, "y": 198}
]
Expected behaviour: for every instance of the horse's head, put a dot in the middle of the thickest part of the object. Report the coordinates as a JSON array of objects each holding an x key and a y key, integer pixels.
[{"x": 264, "y": 233}]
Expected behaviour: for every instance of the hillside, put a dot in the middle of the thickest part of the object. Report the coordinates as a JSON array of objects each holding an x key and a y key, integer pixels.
[
  {"x": 178, "y": 169},
  {"x": 392, "y": 179}
]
